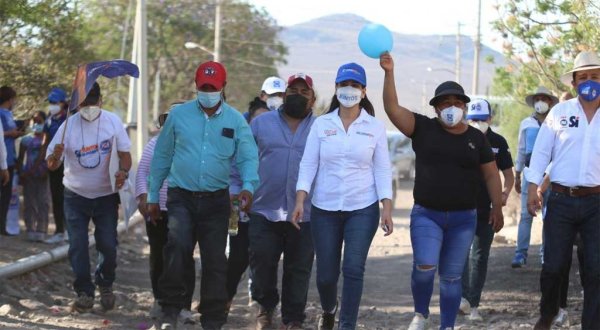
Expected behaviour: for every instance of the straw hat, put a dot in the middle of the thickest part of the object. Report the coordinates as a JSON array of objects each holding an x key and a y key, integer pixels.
[
  {"x": 541, "y": 90},
  {"x": 583, "y": 61}
]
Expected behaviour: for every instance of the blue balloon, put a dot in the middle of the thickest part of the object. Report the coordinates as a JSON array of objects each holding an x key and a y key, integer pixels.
[{"x": 374, "y": 40}]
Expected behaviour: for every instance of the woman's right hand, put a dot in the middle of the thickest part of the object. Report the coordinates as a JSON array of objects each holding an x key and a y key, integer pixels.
[
  {"x": 387, "y": 62},
  {"x": 297, "y": 215}
]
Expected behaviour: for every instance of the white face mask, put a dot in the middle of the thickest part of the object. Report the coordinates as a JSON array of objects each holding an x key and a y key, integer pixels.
[
  {"x": 451, "y": 116},
  {"x": 90, "y": 113},
  {"x": 348, "y": 96},
  {"x": 541, "y": 107},
  {"x": 480, "y": 125},
  {"x": 54, "y": 109},
  {"x": 274, "y": 102}
]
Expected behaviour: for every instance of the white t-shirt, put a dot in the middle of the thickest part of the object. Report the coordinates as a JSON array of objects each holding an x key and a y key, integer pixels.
[{"x": 87, "y": 152}]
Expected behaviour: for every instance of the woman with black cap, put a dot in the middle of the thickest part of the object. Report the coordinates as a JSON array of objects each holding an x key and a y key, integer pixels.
[{"x": 451, "y": 157}]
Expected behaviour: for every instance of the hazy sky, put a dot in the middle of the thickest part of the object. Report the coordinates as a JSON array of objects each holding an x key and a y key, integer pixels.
[{"x": 414, "y": 17}]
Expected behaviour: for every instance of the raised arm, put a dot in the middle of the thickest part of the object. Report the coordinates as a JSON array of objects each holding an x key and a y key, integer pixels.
[{"x": 400, "y": 116}]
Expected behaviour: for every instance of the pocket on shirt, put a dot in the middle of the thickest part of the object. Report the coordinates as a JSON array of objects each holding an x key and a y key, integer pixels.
[{"x": 226, "y": 148}]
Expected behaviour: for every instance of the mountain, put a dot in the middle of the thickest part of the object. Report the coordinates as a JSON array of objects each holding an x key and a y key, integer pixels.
[{"x": 318, "y": 47}]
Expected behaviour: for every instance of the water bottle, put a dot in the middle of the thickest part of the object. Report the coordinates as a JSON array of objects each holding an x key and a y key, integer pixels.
[{"x": 234, "y": 218}]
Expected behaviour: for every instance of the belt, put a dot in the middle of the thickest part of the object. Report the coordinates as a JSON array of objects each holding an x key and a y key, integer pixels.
[
  {"x": 205, "y": 194},
  {"x": 575, "y": 191}
]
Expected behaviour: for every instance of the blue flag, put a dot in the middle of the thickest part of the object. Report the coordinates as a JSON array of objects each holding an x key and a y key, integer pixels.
[{"x": 88, "y": 73}]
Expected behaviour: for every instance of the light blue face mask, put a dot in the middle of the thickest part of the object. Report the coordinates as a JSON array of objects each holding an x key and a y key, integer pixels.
[
  {"x": 209, "y": 99},
  {"x": 37, "y": 128}
]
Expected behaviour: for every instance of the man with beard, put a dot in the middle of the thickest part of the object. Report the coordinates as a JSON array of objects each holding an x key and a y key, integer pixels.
[{"x": 281, "y": 138}]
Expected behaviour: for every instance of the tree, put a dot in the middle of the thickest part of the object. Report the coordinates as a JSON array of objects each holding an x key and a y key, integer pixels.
[
  {"x": 542, "y": 38},
  {"x": 40, "y": 42},
  {"x": 250, "y": 49}
]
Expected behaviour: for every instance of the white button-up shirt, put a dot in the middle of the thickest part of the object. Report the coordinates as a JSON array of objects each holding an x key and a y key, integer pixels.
[
  {"x": 571, "y": 143},
  {"x": 352, "y": 168}
]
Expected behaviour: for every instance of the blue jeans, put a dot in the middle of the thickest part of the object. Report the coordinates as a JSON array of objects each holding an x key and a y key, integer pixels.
[
  {"x": 104, "y": 213},
  {"x": 566, "y": 217},
  {"x": 268, "y": 240},
  {"x": 202, "y": 219},
  {"x": 440, "y": 240},
  {"x": 524, "y": 232},
  {"x": 475, "y": 272},
  {"x": 355, "y": 230}
]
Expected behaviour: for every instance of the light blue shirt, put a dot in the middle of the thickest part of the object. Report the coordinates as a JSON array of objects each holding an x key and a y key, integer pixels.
[
  {"x": 280, "y": 152},
  {"x": 195, "y": 151}
]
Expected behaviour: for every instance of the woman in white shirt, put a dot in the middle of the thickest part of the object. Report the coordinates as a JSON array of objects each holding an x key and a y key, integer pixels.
[{"x": 346, "y": 158}]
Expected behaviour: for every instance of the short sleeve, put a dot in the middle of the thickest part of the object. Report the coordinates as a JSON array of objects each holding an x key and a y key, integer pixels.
[
  {"x": 504, "y": 160},
  {"x": 123, "y": 142},
  {"x": 420, "y": 124}
]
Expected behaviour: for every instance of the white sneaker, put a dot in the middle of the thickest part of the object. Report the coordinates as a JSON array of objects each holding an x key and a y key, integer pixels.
[
  {"x": 55, "y": 239},
  {"x": 561, "y": 319},
  {"x": 186, "y": 317},
  {"x": 465, "y": 307},
  {"x": 419, "y": 322},
  {"x": 155, "y": 311},
  {"x": 475, "y": 316}
]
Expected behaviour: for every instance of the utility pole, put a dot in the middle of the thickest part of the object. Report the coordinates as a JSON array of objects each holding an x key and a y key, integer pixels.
[
  {"x": 477, "y": 51},
  {"x": 142, "y": 82},
  {"x": 118, "y": 102},
  {"x": 457, "y": 63},
  {"x": 217, "y": 49}
]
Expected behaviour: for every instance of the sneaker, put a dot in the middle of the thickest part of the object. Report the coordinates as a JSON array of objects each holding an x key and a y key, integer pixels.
[
  {"x": 465, "y": 307},
  {"x": 55, "y": 239},
  {"x": 474, "y": 315},
  {"x": 264, "y": 318},
  {"x": 419, "y": 322},
  {"x": 519, "y": 261},
  {"x": 83, "y": 303},
  {"x": 107, "y": 297},
  {"x": 561, "y": 319},
  {"x": 294, "y": 325},
  {"x": 326, "y": 321},
  {"x": 186, "y": 317},
  {"x": 155, "y": 311}
]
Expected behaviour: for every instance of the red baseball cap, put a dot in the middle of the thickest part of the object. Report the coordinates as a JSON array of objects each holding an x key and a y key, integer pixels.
[
  {"x": 211, "y": 73},
  {"x": 302, "y": 76}
]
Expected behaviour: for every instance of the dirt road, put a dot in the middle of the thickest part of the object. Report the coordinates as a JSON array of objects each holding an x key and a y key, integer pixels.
[{"x": 39, "y": 300}]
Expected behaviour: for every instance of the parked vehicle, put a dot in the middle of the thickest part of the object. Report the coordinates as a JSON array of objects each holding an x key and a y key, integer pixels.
[{"x": 402, "y": 157}]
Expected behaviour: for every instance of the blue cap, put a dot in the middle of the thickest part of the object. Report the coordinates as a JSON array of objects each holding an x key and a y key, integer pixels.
[
  {"x": 478, "y": 110},
  {"x": 351, "y": 71},
  {"x": 57, "y": 95}
]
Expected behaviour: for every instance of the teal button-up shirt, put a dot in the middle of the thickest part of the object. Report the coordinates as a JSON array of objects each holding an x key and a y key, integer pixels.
[{"x": 196, "y": 151}]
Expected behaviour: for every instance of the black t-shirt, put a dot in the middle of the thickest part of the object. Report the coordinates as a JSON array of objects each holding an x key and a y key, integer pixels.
[
  {"x": 448, "y": 165},
  {"x": 503, "y": 161}
]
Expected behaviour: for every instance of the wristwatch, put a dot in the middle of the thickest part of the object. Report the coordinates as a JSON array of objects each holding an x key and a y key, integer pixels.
[{"x": 125, "y": 171}]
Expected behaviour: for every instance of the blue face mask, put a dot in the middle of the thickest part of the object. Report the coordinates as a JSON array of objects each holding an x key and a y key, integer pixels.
[
  {"x": 589, "y": 90},
  {"x": 209, "y": 99},
  {"x": 37, "y": 128}
]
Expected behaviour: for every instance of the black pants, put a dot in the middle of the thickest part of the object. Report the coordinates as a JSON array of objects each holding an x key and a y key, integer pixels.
[
  {"x": 205, "y": 220},
  {"x": 268, "y": 240},
  {"x": 475, "y": 272},
  {"x": 5, "y": 196},
  {"x": 57, "y": 190},
  {"x": 565, "y": 217},
  {"x": 157, "y": 239},
  {"x": 564, "y": 288},
  {"x": 238, "y": 259}
]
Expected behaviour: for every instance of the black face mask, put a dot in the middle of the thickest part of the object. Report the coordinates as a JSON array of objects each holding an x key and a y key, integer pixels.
[{"x": 295, "y": 106}]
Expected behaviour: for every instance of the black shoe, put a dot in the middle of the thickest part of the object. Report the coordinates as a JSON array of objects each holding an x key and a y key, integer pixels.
[
  {"x": 543, "y": 324},
  {"x": 83, "y": 303},
  {"x": 107, "y": 297}
]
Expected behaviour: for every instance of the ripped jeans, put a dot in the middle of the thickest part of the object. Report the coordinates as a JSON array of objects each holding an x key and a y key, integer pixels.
[{"x": 440, "y": 240}]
